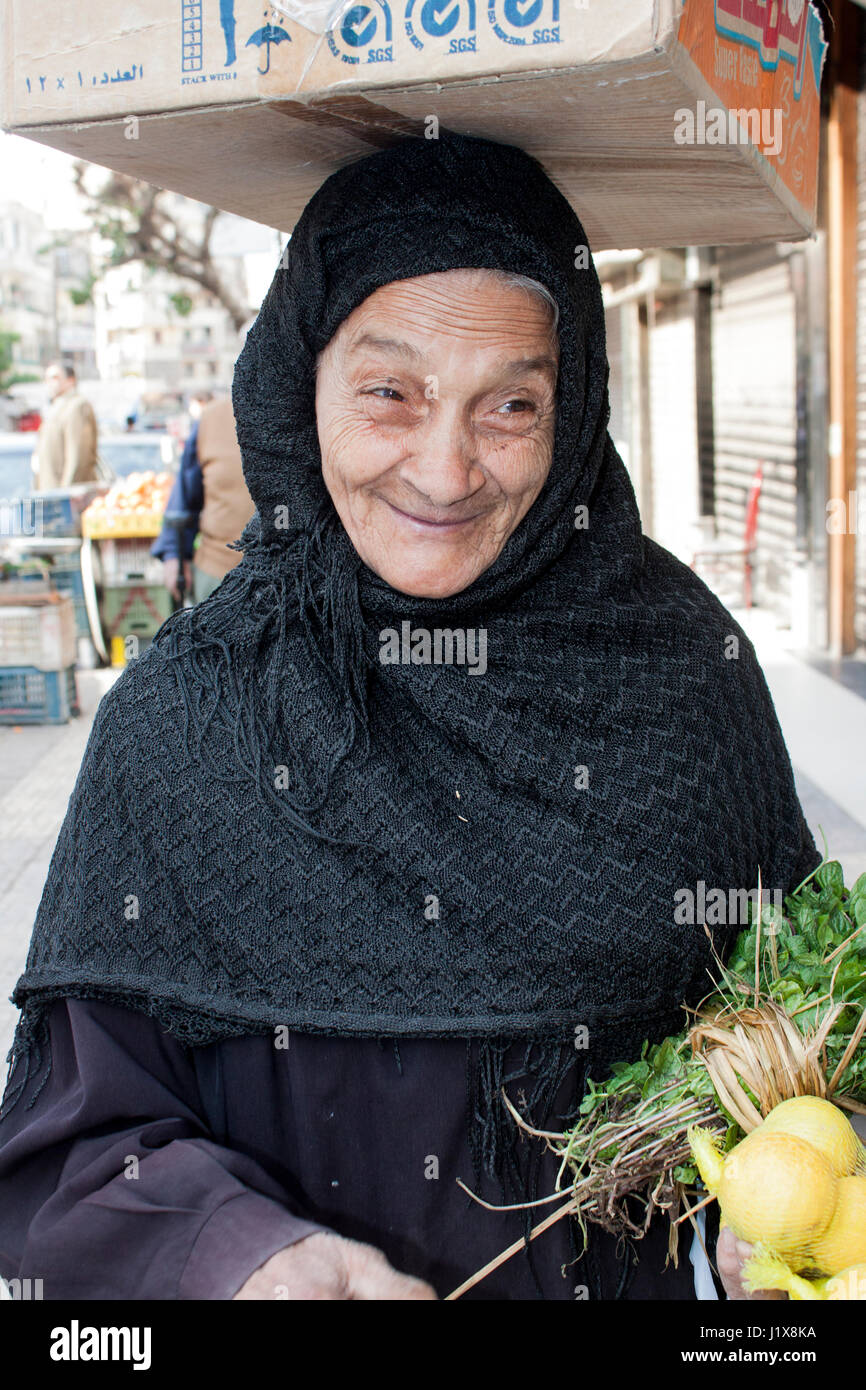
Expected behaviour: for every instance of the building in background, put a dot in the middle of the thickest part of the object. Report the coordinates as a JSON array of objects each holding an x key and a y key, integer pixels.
[
  {"x": 74, "y": 316},
  {"x": 38, "y": 279},
  {"x": 133, "y": 334},
  {"x": 167, "y": 333},
  {"x": 27, "y": 290},
  {"x": 141, "y": 334},
  {"x": 727, "y": 358}
]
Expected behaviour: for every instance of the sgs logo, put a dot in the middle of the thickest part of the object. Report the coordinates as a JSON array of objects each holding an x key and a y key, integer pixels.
[
  {"x": 525, "y": 21},
  {"x": 448, "y": 23},
  {"x": 364, "y": 35}
]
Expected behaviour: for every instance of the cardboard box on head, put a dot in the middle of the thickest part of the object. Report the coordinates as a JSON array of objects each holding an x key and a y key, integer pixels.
[{"x": 666, "y": 122}]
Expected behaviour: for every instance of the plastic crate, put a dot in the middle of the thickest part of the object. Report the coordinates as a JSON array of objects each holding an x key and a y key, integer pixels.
[
  {"x": 24, "y": 580},
  {"x": 30, "y": 696},
  {"x": 40, "y": 634},
  {"x": 67, "y": 579},
  {"x": 128, "y": 561},
  {"x": 129, "y": 610}
]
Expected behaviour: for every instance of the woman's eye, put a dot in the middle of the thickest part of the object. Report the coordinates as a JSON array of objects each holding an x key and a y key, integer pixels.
[
  {"x": 515, "y": 406},
  {"x": 385, "y": 393}
]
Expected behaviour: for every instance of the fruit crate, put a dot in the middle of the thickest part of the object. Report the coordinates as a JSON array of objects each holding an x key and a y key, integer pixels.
[
  {"x": 31, "y": 696},
  {"x": 39, "y": 633},
  {"x": 135, "y": 610},
  {"x": 127, "y": 561},
  {"x": 67, "y": 579},
  {"x": 122, "y": 526}
]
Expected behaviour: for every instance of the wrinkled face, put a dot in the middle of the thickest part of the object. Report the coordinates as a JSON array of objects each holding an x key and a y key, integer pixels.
[{"x": 435, "y": 414}]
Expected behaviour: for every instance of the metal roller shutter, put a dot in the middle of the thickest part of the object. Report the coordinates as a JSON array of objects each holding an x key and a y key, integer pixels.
[{"x": 755, "y": 409}]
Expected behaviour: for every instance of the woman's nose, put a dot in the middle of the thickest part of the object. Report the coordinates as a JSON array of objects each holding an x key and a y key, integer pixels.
[{"x": 443, "y": 464}]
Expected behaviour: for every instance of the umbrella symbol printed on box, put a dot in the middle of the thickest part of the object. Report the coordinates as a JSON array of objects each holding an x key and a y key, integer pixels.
[{"x": 264, "y": 37}]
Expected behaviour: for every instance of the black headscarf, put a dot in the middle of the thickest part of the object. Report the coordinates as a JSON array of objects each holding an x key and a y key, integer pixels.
[{"x": 265, "y": 811}]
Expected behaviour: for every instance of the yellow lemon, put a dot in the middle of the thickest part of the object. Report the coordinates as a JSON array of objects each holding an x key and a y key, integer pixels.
[
  {"x": 778, "y": 1190},
  {"x": 822, "y": 1125},
  {"x": 843, "y": 1244}
]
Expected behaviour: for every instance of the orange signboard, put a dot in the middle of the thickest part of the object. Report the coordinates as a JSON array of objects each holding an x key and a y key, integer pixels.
[{"x": 763, "y": 60}]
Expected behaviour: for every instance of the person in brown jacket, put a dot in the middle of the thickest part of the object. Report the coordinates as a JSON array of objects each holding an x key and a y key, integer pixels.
[
  {"x": 66, "y": 444},
  {"x": 210, "y": 488}
]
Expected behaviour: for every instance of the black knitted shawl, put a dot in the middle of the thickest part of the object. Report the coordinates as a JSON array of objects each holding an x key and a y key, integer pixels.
[{"x": 271, "y": 827}]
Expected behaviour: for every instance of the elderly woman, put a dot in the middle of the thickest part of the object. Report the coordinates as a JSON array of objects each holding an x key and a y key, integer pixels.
[{"x": 396, "y": 818}]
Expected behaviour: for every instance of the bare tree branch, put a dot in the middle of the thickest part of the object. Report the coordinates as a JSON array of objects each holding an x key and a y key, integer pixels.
[{"x": 136, "y": 219}]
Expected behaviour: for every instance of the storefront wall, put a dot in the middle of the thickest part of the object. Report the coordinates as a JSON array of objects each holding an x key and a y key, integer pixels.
[{"x": 673, "y": 433}]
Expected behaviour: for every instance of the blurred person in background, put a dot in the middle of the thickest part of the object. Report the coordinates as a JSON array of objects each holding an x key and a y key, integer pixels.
[
  {"x": 66, "y": 451},
  {"x": 210, "y": 488}
]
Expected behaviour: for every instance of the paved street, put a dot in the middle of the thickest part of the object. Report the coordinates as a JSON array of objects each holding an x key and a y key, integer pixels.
[
  {"x": 824, "y": 723},
  {"x": 38, "y": 767},
  {"x": 823, "y": 719}
]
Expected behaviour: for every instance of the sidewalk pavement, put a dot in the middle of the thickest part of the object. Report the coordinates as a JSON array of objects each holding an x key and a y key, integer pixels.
[
  {"x": 822, "y": 718},
  {"x": 38, "y": 767}
]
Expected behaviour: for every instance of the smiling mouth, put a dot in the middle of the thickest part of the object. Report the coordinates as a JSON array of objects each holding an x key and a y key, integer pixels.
[{"x": 431, "y": 523}]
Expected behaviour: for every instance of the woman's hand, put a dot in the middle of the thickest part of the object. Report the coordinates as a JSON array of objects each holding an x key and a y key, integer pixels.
[
  {"x": 326, "y": 1266},
  {"x": 731, "y": 1255}
]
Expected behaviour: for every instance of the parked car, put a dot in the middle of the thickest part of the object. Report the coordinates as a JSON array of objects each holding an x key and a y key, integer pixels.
[{"x": 136, "y": 452}]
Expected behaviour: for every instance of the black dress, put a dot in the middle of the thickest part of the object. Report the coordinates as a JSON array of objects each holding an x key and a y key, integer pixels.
[{"x": 146, "y": 1169}]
